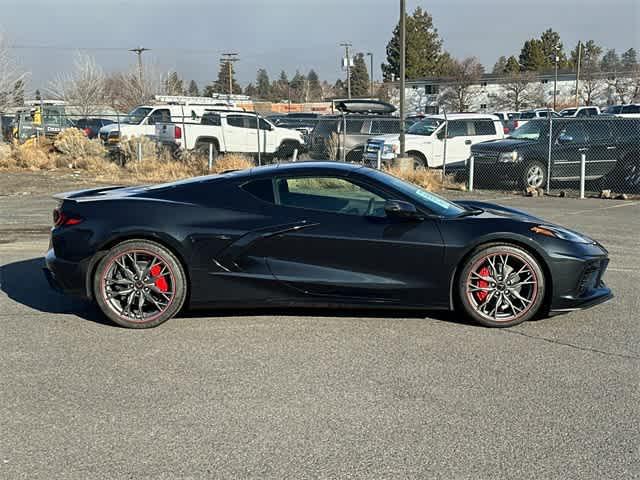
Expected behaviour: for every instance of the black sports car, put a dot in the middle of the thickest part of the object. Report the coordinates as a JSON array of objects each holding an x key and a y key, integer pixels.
[{"x": 314, "y": 234}]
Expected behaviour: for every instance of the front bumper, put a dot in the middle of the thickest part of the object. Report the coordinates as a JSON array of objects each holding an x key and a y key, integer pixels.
[{"x": 67, "y": 277}]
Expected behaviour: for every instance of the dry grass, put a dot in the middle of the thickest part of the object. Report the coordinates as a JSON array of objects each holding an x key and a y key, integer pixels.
[
  {"x": 75, "y": 146},
  {"x": 232, "y": 161},
  {"x": 35, "y": 155},
  {"x": 426, "y": 178},
  {"x": 132, "y": 146}
]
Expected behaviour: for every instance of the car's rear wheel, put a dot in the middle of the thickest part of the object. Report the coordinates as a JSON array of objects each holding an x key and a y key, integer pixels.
[
  {"x": 501, "y": 285},
  {"x": 139, "y": 284},
  {"x": 419, "y": 161}
]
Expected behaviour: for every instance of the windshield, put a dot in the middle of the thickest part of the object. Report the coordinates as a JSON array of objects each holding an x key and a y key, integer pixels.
[
  {"x": 434, "y": 203},
  {"x": 424, "y": 127},
  {"x": 568, "y": 112},
  {"x": 136, "y": 116},
  {"x": 529, "y": 131},
  {"x": 527, "y": 115}
]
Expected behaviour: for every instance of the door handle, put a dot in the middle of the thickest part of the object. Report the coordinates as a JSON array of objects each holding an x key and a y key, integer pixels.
[
  {"x": 611, "y": 148},
  {"x": 467, "y": 142},
  {"x": 583, "y": 149}
]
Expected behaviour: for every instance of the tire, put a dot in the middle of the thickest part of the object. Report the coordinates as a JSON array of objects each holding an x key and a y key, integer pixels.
[
  {"x": 534, "y": 174},
  {"x": 202, "y": 148},
  {"x": 285, "y": 151},
  {"x": 627, "y": 175},
  {"x": 506, "y": 298},
  {"x": 419, "y": 162},
  {"x": 125, "y": 275}
]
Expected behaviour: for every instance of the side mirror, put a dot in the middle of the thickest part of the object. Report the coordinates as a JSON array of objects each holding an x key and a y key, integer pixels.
[{"x": 401, "y": 210}]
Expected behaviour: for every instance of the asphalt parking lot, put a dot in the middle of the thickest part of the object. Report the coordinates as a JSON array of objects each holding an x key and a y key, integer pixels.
[{"x": 292, "y": 394}]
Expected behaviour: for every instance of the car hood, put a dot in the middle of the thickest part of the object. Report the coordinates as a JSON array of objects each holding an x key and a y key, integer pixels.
[
  {"x": 114, "y": 127},
  {"x": 496, "y": 210},
  {"x": 502, "y": 145}
]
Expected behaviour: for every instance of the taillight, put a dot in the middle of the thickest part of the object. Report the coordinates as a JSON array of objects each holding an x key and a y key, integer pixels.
[
  {"x": 62, "y": 219},
  {"x": 177, "y": 132},
  {"x": 87, "y": 131}
]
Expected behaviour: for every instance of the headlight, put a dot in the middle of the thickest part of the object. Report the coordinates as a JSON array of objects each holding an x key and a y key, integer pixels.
[
  {"x": 561, "y": 233},
  {"x": 509, "y": 157},
  {"x": 389, "y": 148}
]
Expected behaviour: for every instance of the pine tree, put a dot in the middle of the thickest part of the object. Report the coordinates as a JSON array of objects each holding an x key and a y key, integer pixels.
[
  {"x": 280, "y": 87},
  {"x": 339, "y": 89},
  {"x": 297, "y": 85},
  {"x": 500, "y": 65},
  {"x": 610, "y": 61},
  {"x": 18, "y": 93},
  {"x": 221, "y": 85},
  {"x": 532, "y": 56},
  {"x": 263, "y": 85},
  {"x": 250, "y": 90},
  {"x": 38, "y": 95},
  {"x": 360, "y": 86},
  {"x": 193, "y": 89},
  {"x": 512, "y": 65},
  {"x": 629, "y": 59},
  {"x": 549, "y": 40},
  {"x": 173, "y": 84},
  {"x": 315, "y": 89},
  {"x": 423, "y": 48}
]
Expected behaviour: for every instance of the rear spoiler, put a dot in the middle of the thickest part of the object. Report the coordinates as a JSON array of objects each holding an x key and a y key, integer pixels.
[{"x": 84, "y": 193}]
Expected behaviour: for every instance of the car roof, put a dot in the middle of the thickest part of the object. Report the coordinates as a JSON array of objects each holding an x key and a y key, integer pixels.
[
  {"x": 303, "y": 167},
  {"x": 465, "y": 116}
]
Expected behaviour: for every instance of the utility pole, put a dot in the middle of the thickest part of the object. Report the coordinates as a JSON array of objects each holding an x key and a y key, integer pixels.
[
  {"x": 346, "y": 46},
  {"x": 370, "y": 55},
  {"x": 403, "y": 59},
  {"x": 138, "y": 51},
  {"x": 578, "y": 71},
  {"x": 556, "y": 58},
  {"x": 228, "y": 59}
]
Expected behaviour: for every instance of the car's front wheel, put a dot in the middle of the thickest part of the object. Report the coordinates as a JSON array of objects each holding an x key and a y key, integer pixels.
[
  {"x": 534, "y": 174},
  {"x": 501, "y": 285},
  {"x": 139, "y": 284}
]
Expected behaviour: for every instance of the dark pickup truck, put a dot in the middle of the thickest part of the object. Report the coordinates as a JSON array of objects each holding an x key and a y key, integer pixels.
[{"x": 611, "y": 147}]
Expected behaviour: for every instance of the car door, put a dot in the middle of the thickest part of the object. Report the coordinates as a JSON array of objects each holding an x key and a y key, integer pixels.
[
  {"x": 238, "y": 136},
  {"x": 458, "y": 143},
  {"x": 159, "y": 115},
  {"x": 602, "y": 155},
  {"x": 571, "y": 142},
  {"x": 346, "y": 249}
]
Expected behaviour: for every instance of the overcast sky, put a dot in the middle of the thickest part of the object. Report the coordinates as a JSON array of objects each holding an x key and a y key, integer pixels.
[{"x": 189, "y": 35}]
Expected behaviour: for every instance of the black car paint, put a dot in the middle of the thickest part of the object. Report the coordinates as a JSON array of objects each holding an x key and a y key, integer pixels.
[
  {"x": 238, "y": 250},
  {"x": 565, "y": 158}
]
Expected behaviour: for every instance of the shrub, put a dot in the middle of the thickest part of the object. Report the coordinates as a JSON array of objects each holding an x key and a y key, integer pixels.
[
  {"x": 74, "y": 145},
  {"x": 129, "y": 146},
  {"x": 34, "y": 155},
  {"x": 6, "y": 156},
  {"x": 426, "y": 178}
]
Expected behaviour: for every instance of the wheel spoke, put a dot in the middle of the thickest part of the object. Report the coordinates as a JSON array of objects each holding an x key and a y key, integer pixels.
[
  {"x": 119, "y": 281},
  {"x": 524, "y": 301},
  {"x": 480, "y": 277}
]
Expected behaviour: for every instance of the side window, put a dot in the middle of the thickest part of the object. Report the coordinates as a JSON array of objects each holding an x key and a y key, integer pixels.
[
  {"x": 329, "y": 194},
  {"x": 599, "y": 131},
  {"x": 384, "y": 126},
  {"x": 235, "y": 121},
  {"x": 542, "y": 113},
  {"x": 160, "y": 116},
  {"x": 573, "y": 133},
  {"x": 250, "y": 122},
  {"x": 354, "y": 127},
  {"x": 457, "y": 128},
  {"x": 264, "y": 125},
  {"x": 484, "y": 127},
  {"x": 211, "y": 119},
  {"x": 262, "y": 189}
]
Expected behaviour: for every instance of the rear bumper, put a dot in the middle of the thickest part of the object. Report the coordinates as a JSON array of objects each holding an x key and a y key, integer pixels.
[{"x": 65, "y": 276}]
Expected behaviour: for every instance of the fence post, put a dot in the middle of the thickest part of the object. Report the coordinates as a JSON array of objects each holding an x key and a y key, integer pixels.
[
  {"x": 295, "y": 155},
  {"x": 344, "y": 138},
  {"x": 139, "y": 151},
  {"x": 583, "y": 172},
  {"x": 210, "y": 156},
  {"x": 379, "y": 159},
  {"x": 446, "y": 135},
  {"x": 471, "y": 171},
  {"x": 258, "y": 132},
  {"x": 549, "y": 152}
]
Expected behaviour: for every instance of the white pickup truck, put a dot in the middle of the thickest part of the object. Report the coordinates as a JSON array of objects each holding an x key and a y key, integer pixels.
[
  {"x": 221, "y": 131},
  {"x": 425, "y": 140}
]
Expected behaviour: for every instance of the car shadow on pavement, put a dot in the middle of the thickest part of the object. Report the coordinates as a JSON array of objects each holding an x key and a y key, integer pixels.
[{"x": 24, "y": 282}]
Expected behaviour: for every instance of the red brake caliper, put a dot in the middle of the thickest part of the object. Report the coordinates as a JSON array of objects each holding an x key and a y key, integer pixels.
[
  {"x": 161, "y": 282},
  {"x": 480, "y": 294}
]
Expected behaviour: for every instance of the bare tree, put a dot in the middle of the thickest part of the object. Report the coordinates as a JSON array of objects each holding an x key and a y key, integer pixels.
[
  {"x": 627, "y": 86},
  {"x": 84, "y": 88},
  {"x": 463, "y": 85},
  {"x": 591, "y": 88},
  {"x": 124, "y": 90},
  {"x": 517, "y": 90},
  {"x": 10, "y": 74}
]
